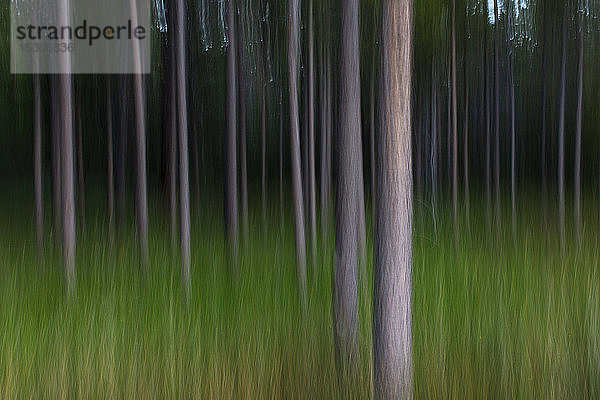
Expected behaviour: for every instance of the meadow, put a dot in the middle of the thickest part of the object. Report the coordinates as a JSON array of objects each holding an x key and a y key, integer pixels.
[{"x": 513, "y": 317}]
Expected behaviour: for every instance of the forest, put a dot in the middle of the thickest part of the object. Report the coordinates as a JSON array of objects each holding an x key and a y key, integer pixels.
[{"x": 305, "y": 199}]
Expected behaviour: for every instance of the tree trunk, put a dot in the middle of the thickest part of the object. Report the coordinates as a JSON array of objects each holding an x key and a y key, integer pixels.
[
  {"x": 56, "y": 159},
  {"x": 184, "y": 182},
  {"x": 231, "y": 196},
  {"x": 293, "y": 48},
  {"x": 172, "y": 129},
  {"x": 243, "y": 160},
  {"x": 454, "y": 127},
  {"x": 37, "y": 165},
  {"x": 497, "y": 114},
  {"x": 110, "y": 164},
  {"x": 561, "y": 131},
  {"x": 121, "y": 173},
  {"x": 488, "y": 138},
  {"x": 140, "y": 127},
  {"x": 466, "y": 135},
  {"x": 544, "y": 172},
  {"x": 311, "y": 140},
  {"x": 392, "y": 347},
  {"x": 79, "y": 166},
  {"x": 68, "y": 179},
  {"x": 578, "y": 132},
  {"x": 345, "y": 300}
]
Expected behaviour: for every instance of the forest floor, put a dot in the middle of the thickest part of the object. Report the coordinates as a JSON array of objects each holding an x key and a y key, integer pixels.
[{"x": 507, "y": 318}]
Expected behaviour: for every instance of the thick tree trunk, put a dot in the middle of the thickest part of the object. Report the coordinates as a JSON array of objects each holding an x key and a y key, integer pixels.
[
  {"x": 392, "y": 347},
  {"x": 577, "y": 172},
  {"x": 345, "y": 300},
  {"x": 184, "y": 182},
  {"x": 231, "y": 195},
  {"x": 488, "y": 138},
  {"x": 561, "y": 131},
  {"x": 293, "y": 48}
]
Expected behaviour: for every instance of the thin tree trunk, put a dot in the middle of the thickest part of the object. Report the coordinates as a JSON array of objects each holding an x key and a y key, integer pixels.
[
  {"x": 497, "y": 114},
  {"x": 311, "y": 140},
  {"x": 110, "y": 164},
  {"x": 184, "y": 182},
  {"x": 454, "y": 127},
  {"x": 392, "y": 347},
  {"x": 543, "y": 133},
  {"x": 140, "y": 125},
  {"x": 243, "y": 162},
  {"x": 281, "y": 215},
  {"x": 121, "y": 174},
  {"x": 68, "y": 179},
  {"x": 79, "y": 166},
  {"x": 56, "y": 159},
  {"x": 345, "y": 300},
  {"x": 231, "y": 195},
  {"x": 488, "y": 138},
  {"x": 293, "y": 48},
  {"x": 578, "y": 132},
  {"x": 561, "y": 131},
  {"x": 173, "y": 146},
  {"x": 37, "y": 165},
  {"x": 434, "y": 149},
  {"x": 323, "y": 110},
  {"x": 513, "y": 152},
  {"x": 372, "y": 132},
  {"x": 263, "y": 132},
  {"x": 466, "y": 135}
]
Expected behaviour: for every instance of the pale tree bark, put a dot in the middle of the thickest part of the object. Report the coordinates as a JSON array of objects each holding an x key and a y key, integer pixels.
[
  {"x": 392, "y": 347},
  {"x": 312, "y": 201},
  {"x": 231, "y": 195},
  {"x": 345, "y": 300},
  {"x": 326, "y": 147},
  {"x": 140, "y": 128},
  {"x": 184, "y": 182},
  {"x": 454, "y": 127},
  {"x": 293, "y": 48},
  {"x": 577, "y": 172},
  {"x": 561, "y": 130},
  {"x": 110, "y": 164},
  {"x": 67, "y": 169}
]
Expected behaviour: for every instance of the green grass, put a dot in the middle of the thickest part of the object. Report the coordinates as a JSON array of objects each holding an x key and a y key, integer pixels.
[{"x": 490, "y": 320}]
